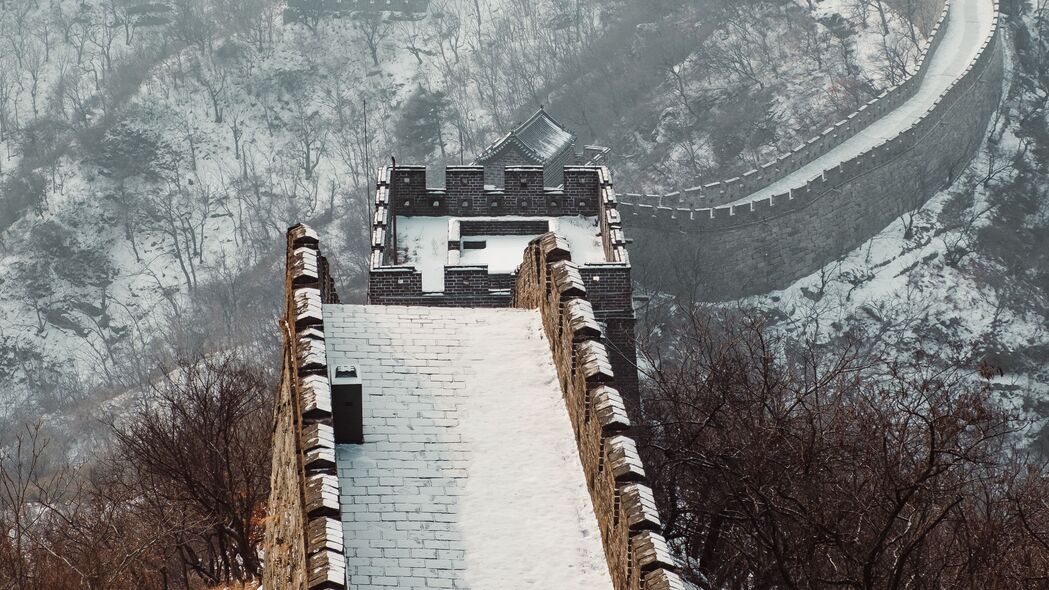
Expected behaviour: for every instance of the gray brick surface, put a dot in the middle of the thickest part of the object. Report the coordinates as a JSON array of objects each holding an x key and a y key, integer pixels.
[{"x": 400, "y": 490}]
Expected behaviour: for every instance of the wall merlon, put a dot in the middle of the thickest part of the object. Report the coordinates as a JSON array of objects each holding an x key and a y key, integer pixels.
[
  {"x": 315, "y": 393},
  {"x": 610, "y": 410},
  {"x": 303, "y": 236},
  {"x": 327, "y": 571},
  {"x": 639, "y": 504},
  {"x": 652, "y": 551},
  {"x": 663, "y": 579},
  {"x": 624, "y": 460},
  {"x": 324, "y": 535},
  {"x": 762, "y": 208},
  {"x": 833, "y": 175}
]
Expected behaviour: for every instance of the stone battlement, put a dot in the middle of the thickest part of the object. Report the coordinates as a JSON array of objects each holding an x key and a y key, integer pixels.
[{"x": 637, "y": 554}]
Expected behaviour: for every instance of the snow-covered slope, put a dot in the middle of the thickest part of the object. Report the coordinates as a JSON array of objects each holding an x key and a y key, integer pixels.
[{"x": 934, "y": 285}]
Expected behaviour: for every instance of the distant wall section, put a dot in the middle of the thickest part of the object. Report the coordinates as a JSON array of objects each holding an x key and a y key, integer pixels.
[
  {"x": 720, "y": 192},
  {"x": 733, "y": 251}
]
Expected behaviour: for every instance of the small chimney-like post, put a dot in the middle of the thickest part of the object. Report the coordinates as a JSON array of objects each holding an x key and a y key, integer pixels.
[{"x": 347, "y": 405}]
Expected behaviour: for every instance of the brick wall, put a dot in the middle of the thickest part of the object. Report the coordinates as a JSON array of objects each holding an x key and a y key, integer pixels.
[
  {"x": 608, "y": 286},
  {"x": 394, "y": 281},
  {"x": 465, "y": 185},
  {"x": 302, "y": 542},
  {"x": 523, "y": 192},
  {"x": 285, "y": 564},
  {"x": 492, "y": 300},
  {"x": 503, "y": 227},
  {"x": 636, "y": 553}
]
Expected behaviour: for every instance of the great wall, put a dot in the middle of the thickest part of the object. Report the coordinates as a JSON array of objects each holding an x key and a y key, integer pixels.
[
  {"x": 740, "y": 241},
  {"x": 309, "y": 540},
  {"x": 731, "y": 239}
]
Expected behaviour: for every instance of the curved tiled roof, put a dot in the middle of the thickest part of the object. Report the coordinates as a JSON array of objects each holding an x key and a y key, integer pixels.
[{"x": 540, "y": 138}]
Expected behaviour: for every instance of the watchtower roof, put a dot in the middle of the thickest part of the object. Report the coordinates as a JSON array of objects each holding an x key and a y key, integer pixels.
[{"x": 540, "y": 137}]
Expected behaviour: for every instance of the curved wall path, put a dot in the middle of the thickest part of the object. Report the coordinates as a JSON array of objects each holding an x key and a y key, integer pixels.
[
  {"x": 827, "y": 207},
  {"x": 968, "y": 24}
]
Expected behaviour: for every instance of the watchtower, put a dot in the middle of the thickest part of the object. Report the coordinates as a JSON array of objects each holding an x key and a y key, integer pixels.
[{"x": 460, "y": 245}]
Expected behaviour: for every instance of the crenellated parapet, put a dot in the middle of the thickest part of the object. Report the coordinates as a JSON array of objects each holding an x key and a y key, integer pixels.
[
  {"x": 637, "y": 554},
  {"x": 304, "y": 539}
]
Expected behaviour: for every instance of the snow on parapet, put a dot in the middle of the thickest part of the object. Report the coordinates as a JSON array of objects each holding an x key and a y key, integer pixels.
[
  {"x": 637, "y": 554},
  {"x": 725, "y": 191},
  {"x": 309, "y": 286},
  {"x": 669, "y": 211}
]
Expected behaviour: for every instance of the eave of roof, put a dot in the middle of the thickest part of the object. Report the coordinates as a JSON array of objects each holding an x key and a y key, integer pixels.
[{"x": 565, "y": 140}]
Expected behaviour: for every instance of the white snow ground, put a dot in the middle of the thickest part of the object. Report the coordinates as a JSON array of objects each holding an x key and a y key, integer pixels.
[
  {"x": 897, "y": 290},
  {"x": 469, "y": 475},
  {"x": 968, "y": 24}
]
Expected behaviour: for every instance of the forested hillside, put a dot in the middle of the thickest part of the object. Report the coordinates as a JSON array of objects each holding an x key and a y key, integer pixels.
[
  {"x": 154, "y": 153},
  {"x": 918, "y": 362}
]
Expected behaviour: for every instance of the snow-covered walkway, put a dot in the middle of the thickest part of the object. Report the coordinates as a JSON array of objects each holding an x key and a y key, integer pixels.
[
  {"x": 469, "y": 475},
  {"x": 969, "y": 22}
]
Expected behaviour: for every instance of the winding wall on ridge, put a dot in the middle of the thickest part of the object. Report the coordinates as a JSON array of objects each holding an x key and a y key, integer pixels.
[
  {"x": 725, "y": 191},
  {"x": 737, "y": 250}
]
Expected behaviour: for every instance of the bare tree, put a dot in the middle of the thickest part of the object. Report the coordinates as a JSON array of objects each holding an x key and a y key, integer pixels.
[
  {"x": 311, "y": 131},
  {"x": 67, "y": 528},
  {"x": 195, "y": 449},
  {"x": 781, "y": 466},
  {"x": 374, "y": 30}
]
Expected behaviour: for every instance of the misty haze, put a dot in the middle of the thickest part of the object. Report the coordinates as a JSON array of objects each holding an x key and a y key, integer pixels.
[{"x": 524, "y": 294}]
